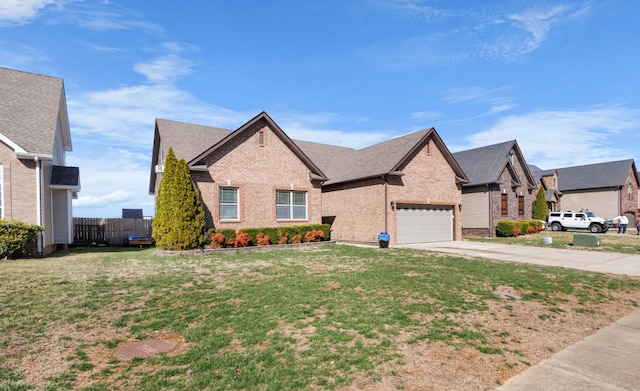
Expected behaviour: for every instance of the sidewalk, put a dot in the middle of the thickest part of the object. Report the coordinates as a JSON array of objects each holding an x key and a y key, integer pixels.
[{"x": 606, "y": 360}]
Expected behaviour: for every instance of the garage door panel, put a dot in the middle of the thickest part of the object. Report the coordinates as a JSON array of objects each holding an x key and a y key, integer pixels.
[{"x": 422, "y": 224}]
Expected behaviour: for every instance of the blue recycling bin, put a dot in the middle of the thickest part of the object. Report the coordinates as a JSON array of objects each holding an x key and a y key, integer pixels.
[{"x": 383, "y": 239}]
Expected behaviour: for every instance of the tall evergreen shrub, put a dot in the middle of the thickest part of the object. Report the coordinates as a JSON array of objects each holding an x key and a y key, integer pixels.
[
  {"x": 179, "y": 221},
  {"x": 539, "y": 207}
]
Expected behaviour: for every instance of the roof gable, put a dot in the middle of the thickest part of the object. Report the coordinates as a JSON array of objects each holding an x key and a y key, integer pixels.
[
  {"x": 485, "y": 165},
  {"x": 342, "y": 164},
  {"x": 32, "y": 109},
  {"x": 262, "y": 118}
]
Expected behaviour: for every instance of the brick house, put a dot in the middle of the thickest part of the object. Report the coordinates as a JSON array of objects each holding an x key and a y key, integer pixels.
[
  {"x": 500, "y": 187},
  {"x": 547, "y": 181},
  {"x": 36, "y": 186},
  {"x": 256, "y": 176}
]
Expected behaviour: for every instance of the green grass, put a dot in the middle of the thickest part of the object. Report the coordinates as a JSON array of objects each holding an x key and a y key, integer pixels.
[
  {"x": 282, "y": 319},
  {"x": 609, "y": 242}
]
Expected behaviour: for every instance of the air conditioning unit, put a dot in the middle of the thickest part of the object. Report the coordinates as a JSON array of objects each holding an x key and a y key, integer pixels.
[{"x": 159, "y": 168}]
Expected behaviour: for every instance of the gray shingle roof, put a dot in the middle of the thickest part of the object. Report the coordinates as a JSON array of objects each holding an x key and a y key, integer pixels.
[
  {"x": 338, "y": 164},
  {"x": 593, "y": 176},
  {"x": 188, "y": 140},
  {"x": 29, "y": 108},
  {"x": 538, "y": 173},
  {"x": 346, "y": 164},
  {"x": 485, "y": 164},
  {"x": 63, "y": 176}
]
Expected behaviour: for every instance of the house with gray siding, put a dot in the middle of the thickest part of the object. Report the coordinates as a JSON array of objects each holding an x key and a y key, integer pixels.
[
  {"x": 607, "y": 189},
  {"x": 36, "y": 185}
]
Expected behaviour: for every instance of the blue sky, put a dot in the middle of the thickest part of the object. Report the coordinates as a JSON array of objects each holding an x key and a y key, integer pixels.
[{"x": 559, "y": 77}]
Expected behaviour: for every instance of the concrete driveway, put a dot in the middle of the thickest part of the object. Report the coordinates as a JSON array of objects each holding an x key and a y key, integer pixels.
[
  {"x": 606, "y": 360},
  {"x": 590, "y": 260}
]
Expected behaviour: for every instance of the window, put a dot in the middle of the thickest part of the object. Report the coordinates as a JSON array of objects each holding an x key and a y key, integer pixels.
[
  {"x": 504, "y": 204},
  {"x": 510, "y": 157},
  {"x": 229, "y": 203},
  {"x": 630, "y": 191},
  {"x": 291, "y": 205},
  {"x": 521, "y": 206}
]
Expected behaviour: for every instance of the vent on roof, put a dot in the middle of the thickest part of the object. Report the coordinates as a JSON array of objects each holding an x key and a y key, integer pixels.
[{"x": 159, "y": 168}]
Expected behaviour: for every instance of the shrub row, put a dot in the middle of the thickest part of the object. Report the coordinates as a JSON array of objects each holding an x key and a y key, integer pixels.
[
  {"x": 16, "y": 237},
  {"x": 226, "y": 237},
  {"x": 507, "y": 228}
]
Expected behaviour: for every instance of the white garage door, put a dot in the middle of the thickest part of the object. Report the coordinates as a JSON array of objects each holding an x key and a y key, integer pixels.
[{"x": 424, "y": 224}]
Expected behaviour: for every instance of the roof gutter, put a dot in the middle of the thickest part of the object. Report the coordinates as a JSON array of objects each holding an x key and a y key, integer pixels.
[{"x": 35, "y": 156}]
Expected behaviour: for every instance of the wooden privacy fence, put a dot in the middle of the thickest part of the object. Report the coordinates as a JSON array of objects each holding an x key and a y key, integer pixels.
[{"x": 113, "y": 231}]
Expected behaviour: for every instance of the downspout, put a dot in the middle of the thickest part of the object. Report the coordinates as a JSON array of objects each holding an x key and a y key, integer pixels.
[
  {"x": 38, "y": 201},
  {"x": 386, "y": 197},
  {"x": 490, "y": 209}
]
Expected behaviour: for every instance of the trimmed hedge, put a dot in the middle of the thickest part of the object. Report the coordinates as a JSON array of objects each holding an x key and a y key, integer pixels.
[
  {"x": 506, "y": 228},
  {"x": 274, "y": 233}
]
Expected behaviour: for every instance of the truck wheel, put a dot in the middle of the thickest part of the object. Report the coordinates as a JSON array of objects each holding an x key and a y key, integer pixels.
[
  {"x": 556, "y": 226},
  {"x": 595, "y": 228}
]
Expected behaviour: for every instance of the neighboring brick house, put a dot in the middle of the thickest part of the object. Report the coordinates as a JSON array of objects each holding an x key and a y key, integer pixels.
[
  {"x": 501, "y": 187},
  {"x": 607, "y": 189},
  {"x": 547, "y": 181},
  {"x": 257, "y": 177},
  {"x": 36, "y": 186}
]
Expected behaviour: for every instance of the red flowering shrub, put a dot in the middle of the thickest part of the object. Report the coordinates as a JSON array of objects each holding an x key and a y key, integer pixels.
[
  {"x": 263, "y": 240},
  {"x": 296, "y": 239},
  {"x": 283, "y": 237},
  {"x": 313, "y": 236},
  {"x": 241, "y": 240},
  {"x": 516, "y": 231},
  {"x": 218, "y": 240}
]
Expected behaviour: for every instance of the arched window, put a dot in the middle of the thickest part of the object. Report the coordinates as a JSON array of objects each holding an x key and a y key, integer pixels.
[{"x": 630, "y": 191}]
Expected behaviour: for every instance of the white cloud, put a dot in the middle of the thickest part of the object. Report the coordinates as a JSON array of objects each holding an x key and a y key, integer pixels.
[
  {"x": 107, "y": 16},
  {"x": 115, "y": 196},
  {"x": 478, "y": 32},
  {"x": 557, "y": 138},
  {"x": 22, "y": 11},
  {"x": 164, "y": 69},
  {"x": 538, "y": 22},
  {"x": 412, "y": 8}
]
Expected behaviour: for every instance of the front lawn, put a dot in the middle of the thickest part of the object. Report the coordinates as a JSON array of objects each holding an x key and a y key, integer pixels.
[{"x": 333, "y": 317}]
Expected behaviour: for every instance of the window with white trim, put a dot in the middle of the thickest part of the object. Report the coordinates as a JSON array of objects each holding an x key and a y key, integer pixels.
[
  {"x": 291, "y": 205},
  {"x": 229, "y": 205}
]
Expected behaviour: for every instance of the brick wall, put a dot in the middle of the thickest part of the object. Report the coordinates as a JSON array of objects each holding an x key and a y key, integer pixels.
[
  {"x": 360, "y": 207},
  {"x": 19, "y": 187},
  {"x": 630, "y": 206},
  {"x": 257, "y": 170}
]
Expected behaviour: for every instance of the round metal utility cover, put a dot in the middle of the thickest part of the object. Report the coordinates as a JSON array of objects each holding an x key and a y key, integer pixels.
[{"x": 146, "y": 348}]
